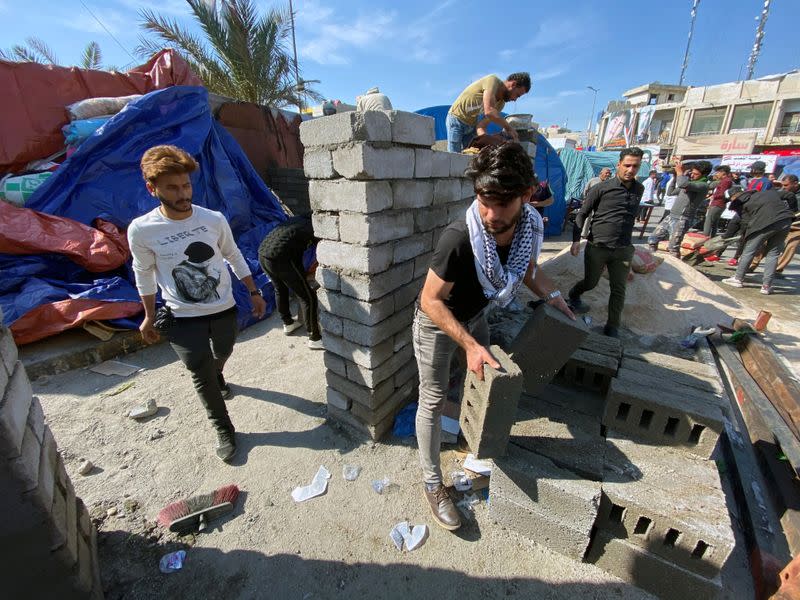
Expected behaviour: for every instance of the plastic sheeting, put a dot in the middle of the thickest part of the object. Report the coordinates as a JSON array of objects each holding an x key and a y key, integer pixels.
[
  {"x": 102, "y": 180},
  {"x": 35, "y": 98},
  {"x": 580, "y": 166}
]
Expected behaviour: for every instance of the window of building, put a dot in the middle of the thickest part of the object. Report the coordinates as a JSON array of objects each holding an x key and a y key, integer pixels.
[
  {"x": 790, "y": 123},
  {"x": 751, "y": 116},
  {"x": 670, "y": 97},
  {"x": 653, "y": 99},
  {"x": 707, "y": 121}
]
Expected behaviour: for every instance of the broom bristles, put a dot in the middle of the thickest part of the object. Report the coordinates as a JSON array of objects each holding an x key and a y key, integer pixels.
[
  {"x": 181, "y": 508},
  {"x": 229, "y": 493}
]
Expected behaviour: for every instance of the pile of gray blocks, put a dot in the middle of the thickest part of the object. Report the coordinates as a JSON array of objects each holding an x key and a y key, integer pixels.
[
  {"x": 380, "y": 198},
  {"x": 594, "y": 363}
]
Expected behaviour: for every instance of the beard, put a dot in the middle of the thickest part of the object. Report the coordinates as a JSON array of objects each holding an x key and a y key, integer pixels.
[
  {"x": 182, "y": 205},
  {"x": 500, "y": 227}
]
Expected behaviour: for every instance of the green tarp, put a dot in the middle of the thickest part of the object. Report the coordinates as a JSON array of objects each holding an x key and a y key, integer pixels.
[{"x": 581, "y": 166}]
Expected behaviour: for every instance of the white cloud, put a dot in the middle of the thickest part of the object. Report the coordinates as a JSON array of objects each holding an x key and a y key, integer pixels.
[
  {"x": 548, "y": 74},
  {"x": 562, "y": 31}
]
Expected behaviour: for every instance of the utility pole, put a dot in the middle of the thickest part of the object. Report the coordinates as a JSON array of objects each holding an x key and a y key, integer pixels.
[
  {"x": 762, "y": 21},
  {"x": 299, "y": 88},
  {"x": 693, "y": 14},
  {"x": 591, "y": 117}
]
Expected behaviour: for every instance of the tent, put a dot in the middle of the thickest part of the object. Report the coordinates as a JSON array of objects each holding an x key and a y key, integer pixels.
[
  {"x": 580, "y": 166},
  {"x": 546, "y": 164}
]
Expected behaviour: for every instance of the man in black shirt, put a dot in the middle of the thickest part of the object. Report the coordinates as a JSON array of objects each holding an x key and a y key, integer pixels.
[
  {"x": 614, "y": 203},
  {"x": 480, "y": 259}
]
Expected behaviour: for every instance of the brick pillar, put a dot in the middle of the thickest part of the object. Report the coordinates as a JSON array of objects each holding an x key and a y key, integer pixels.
[
  {"x": 49, "y": 543},
  {"x": 380, "y": 198}
]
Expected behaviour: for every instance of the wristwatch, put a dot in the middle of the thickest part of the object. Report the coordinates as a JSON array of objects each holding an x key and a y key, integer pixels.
[
  {"x": 551, "y": 295},
  {"x": 256, "y": 292}
]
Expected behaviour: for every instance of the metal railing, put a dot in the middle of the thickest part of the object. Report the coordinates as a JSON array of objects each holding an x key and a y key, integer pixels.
[{"x": 788, "y": 129}]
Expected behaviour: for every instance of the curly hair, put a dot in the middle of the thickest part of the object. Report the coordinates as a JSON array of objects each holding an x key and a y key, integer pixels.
[
  {"x": 522, "y": 79},
  {"x": 166, "y": 160},
  {"x": 502, "y": 172}
]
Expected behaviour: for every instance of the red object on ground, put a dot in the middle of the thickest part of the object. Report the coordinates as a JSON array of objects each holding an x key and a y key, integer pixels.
[
  {"x": 50, "y": 319},
  {"x": 35, "y": 98},
  {"x": 712, "y": 258},
  {"x": 96, "y": 249},
  {"x": 733, "y": 262}
]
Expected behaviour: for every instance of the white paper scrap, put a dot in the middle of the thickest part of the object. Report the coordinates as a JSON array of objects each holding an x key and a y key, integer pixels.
[
  {"x": 481, "y": 467},
  {"x": 317, "y": 487},
  {"x": 115, "y": 367}
]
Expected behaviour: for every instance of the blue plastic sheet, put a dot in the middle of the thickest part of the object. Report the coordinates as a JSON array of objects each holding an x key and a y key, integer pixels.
[
  {"x": 77, "y": 131},
  {"x": 103, "y": 180}
]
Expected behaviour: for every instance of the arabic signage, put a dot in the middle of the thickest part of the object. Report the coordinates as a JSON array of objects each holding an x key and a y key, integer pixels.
[
  {"x": 742, "y": 162},
  {"x": 715, "y": 145}
]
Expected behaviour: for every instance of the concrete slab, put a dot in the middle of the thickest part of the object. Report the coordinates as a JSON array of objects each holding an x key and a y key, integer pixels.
[
  {"x": 691, "y": 376},
  {"x": 602, "y": 344},
  {"x": 587, "y": 402}
]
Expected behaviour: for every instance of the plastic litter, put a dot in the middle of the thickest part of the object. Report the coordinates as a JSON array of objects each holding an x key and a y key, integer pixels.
[
  {"x": 481, "y": 467},
  {"x": 404, "y": 422},
  {"x": 587, "y": 319},
  {"x": 412, "y": 536},
  {"x": 85, "y": 467},
  {"x": 142, "y": 412},
  {"x": 381, "y": 485},
  {"x": 468, "y": 503},
  {"x": 460, "y": 480},
  {"x": 317, "y": 487},
  {"x": 172, "y": 562},
  {"x": 351, "y": 472}
]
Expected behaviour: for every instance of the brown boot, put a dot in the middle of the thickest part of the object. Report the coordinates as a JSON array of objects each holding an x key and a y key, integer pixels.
[{"x": 444, "y": 511}]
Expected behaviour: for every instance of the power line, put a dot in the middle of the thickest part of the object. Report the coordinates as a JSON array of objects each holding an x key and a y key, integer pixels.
[{"x": 124, "y": 49}]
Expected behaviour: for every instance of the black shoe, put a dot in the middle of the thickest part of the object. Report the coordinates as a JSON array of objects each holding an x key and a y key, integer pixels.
[
  {"x": 577, "y": 306},
  {"x": 611, "y": 331},
  {"x": 444, "y": 511},
  {"x": 226, "y": 445},
  {"x": 223, "y": 386}
]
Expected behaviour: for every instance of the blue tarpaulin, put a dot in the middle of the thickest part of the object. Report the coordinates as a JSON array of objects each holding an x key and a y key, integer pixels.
[{"x": 103, "y": 180}]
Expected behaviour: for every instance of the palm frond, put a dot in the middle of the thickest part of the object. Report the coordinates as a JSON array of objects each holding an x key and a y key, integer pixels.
[
  {"x": 92, "y": 57},
  {"x": 42, "y": 50}
]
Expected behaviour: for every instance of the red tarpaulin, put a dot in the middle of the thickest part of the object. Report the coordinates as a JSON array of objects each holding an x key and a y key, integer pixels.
[{"x": 35, "y": 98}]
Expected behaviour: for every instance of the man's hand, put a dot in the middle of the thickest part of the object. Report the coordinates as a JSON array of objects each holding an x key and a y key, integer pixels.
[
  {"x": 259, "y": 306},
  {"x": 561, "y": 304},
  {"x": 149, "y": 333},
  {"x": 575, "y": 248},
  {"x": 476, "y": 356},
  {"x": 676, "y": 162},
  {"x": 480, "y": 131}
]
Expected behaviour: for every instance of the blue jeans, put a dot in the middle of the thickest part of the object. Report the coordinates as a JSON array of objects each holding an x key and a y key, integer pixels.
[{"x": 459, "y": 134}]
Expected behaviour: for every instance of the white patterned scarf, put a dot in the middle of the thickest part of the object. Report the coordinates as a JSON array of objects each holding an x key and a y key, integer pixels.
[{"x": 500, "y": 283}]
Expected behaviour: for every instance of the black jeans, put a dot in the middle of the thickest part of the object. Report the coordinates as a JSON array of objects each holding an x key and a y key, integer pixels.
[
  {"x": 204, "y": 344},
  {"x": 289, "y": 274},
  {"x": 618, "y": 263}
]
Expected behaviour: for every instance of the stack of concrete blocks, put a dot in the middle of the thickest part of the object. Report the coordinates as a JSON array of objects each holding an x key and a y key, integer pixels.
[
  {"x": 380, "y": 198},
  {"x": 50, "y": 543},
  {"x": 594, "y": 363}
]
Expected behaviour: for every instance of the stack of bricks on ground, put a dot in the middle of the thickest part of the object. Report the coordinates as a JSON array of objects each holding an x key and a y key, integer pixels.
[
  {"x": 50, "y": 542},
  {"x": 380, "y": 199},
  {"x": 614, "y": 472}
]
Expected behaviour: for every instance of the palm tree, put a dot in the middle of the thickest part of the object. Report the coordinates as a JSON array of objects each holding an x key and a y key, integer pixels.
[
  {"x": 35, "y": 50},
  {"x": 242, "y": 56}
]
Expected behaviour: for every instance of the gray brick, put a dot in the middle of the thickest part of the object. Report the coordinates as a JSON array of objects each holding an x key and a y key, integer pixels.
[
  {"x": 36, "y": 419},
  {"x": 402, "y": 339},
  {"x": 412, "y": 246},
  {"x": 335, "y": 363},
  {"x": 405, "y": 373},
  {"x": 676, "y": 375},
  {"x": 363, "y": 395},
  {"x": 338, "y": 399},
  {"x": 14, "y": 411},
  {"x": 326, "y": 225},
  {"x": 446, "y": 191},
  {"x": 421, "y": 264},
  {"x": 458, "y": 164},
  {"x": 698, "y": 369},
  {"x": 457, "y": 210},
  {"x": 25, "y": 467},
  {"x": 489, "y": 406},
  {"x": 589, "y": 370},
  {"x": 410, "y": 193},
  {"x": 371, "y": 126},
  {"x": 407, "y": 294},
  {"x": 375, "y": 228},
  {"x": 327, "y": 278},
  {"x": 330, "y": 323},
  {"x": 423, "y": 163},
  {"x": 318, "y": 164},
  {"x": 373, "y": 432},
  {"x": 377, "y": 286},
  {"x": 353, "y": 196},
  {"x": 363, "y": 161},
  {"x": 367, "y": 313},
  {"x": 42, "y": 494},
  {"x": 411, "y": 128},
  {"x": 388, "y": 408},
  {"x": 440, "y": 164},
  {"x": 467, "y": 189},
  {"x": 430, "y": 218},
  {"x": 373, "y": 377},
  {"x": 8, "y": 350},
  {"x": 372, "y": 335},
  {"x": 544, "y": 345},
  {"x": 353, "y": 258},
  {"x": 366, "y": 357}
]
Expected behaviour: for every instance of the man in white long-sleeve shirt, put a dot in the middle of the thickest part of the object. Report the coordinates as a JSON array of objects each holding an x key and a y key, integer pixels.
[{"x": 182, "y": 249}]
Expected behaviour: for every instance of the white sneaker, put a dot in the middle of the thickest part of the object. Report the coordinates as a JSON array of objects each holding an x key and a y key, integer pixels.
[
  {"x": 293, "y": 326},
  {"x": 733, "y": 282},
  {"x": 766, "y": 290},
  {"x": 315, "y": 345}
]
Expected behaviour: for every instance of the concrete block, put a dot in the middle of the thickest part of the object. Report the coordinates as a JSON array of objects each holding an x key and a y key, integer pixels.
[
  {"x": 587, "y": 403},
  {"x": 648, "y": 571},
  {"x": 358, "y": 259},
  {"x": 411, "y": 193},
  {"x": 375, "y": 228},
  {"x": 457, "y": 210},
  {"x": 423, "y": 163},
  {"x": 408, "y": 293},
  {"x": 390, "y": 406},
  {"x": 430, "y": 218},
  {"x": 335, "y": 363},
  {"x": 446, "y": 191},
  {"x": 372, "y": 378},
  {"x": 85, "y": 567},
  {"x": 370, "y": 126},
  {"x": 405, "y": 373},
  {"x": 544, "y": 345},
  {"x": 668, "y": 502},
  {"x": 673, "y": 363},
  {"x": 422, "y": 264},
  {"x": 366, "y": 357},
  {"x": 318, "y": 164},
  {"x": 8, "y": 350},
  {"x": 467, "y": 189},
  {"x": 673, "y": 380},
  {"x": 42, "y": 494},
  {"x": 687, "y": 421},
  {"x": 337, "y": 399},
  {"x": 354, "y": 424},
  {"x": 589, "y": 369},
  {"x": 411, "y": 128},
  {"x": 326, "y": 225},
  {"x": 366, "y": 396},
  {"x": 459, "y": 163},
  {"x": 14, "y": 409},
  {"x": 674, "y": 375},
  {"x": 65, "y": 520},
  {"x": 489, "y": 406},
  {"x": 570, "y": 440},
  {"x": 25, "y": 468},
  {"x": 377, "y": 286},
  {"x": 363, "y": 161},
  {"x": 412, "y": 246},
  {"x": 402, "y": 339},
  {"x": 440, "y": 164},
  {"x": 85, "y": 526},
  {"x": 36, "y": 419},
  {"x": 372, "y": 335},
  {"x": 353, "y": 196},
  {"x": 328, "y": 279},
  {"x": 602, "y": 344},
  {"x": 330, "y": 323},
  {"x": 367, "y": 313}
]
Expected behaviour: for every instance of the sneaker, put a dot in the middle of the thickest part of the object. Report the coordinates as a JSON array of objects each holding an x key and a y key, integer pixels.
[
  {"x": 577, "y": 306},
  {"x": 611, "y": 331},
  {"x": 293, "y": 326},
  {"x": 732, "y": 281},
  {"x": 766, "y": 290},
  {"x": 316, "y": 344},
  {"x": 226, "y": 445},
  {"x": 442, "y": 508},
  {"x": 711, "y": 258},
  {"x": 223, "y": 386},
  {"x": 653, "y": 247},
  {"x": 733, "y": 262}
]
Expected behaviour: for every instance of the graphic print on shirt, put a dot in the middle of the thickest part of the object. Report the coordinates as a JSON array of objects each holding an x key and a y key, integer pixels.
[{"x": 195, "y": 280}]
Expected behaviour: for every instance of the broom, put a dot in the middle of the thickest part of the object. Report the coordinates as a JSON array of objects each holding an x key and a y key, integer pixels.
[{"x": 193, "y": 514}]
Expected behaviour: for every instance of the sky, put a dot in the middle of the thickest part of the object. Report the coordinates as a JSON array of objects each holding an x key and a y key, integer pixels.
[{"x": 423, "y": 53}]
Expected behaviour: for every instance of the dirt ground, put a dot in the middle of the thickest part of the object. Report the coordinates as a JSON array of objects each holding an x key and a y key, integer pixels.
[{"x": 334, "y": 546}]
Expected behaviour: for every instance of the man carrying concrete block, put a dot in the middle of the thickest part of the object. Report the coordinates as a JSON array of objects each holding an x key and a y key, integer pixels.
[{"x": 478, "y": 260}]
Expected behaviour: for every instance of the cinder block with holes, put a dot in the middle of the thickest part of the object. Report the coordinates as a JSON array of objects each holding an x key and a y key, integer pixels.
[
  {"x": 488, "y": 407},
  {"x": 589, "y": 369},
  {"x": 668, "y": 502},
  {"x": 670, "y": 416}
]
